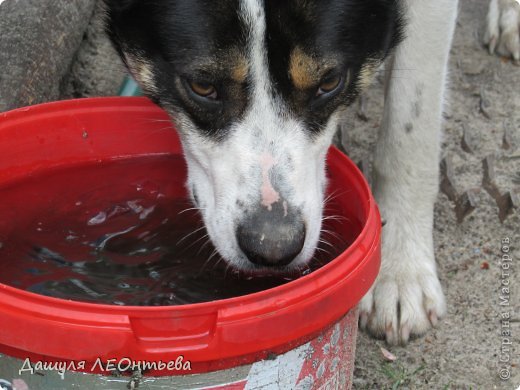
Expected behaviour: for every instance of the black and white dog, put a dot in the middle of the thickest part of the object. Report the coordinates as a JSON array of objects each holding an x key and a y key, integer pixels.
[{"x": 256, "y": 89}]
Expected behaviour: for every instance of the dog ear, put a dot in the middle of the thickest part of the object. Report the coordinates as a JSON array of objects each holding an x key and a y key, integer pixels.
[{"x": 120, "y": 5}]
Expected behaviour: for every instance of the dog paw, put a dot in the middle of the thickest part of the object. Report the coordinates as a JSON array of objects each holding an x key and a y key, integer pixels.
[
  {"x": 502, "y": 34},
  {"x": 406, "y": 300}
]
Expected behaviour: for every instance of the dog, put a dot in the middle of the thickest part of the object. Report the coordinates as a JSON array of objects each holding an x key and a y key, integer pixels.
[{"x": 256, "y": 89}]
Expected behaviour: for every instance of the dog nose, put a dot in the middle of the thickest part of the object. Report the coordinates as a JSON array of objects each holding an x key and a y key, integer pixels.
[{"x": 271, "y": 237}]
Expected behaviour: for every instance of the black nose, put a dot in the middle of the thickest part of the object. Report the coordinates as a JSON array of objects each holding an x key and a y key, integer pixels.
[{"x": 272, "y": 237}]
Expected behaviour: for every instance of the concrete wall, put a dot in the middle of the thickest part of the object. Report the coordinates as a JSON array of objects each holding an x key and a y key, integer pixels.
[
  {"x": 53, "y": 49},
  {"x": 97, "y": 69}
]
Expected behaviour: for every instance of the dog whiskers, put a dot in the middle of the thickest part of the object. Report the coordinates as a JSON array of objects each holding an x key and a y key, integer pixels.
[
  {"x": 197, "y": 241},
  {"x": 334, "y": 218},
  {"x": 219, "y": 260},
  {"x": 322, "y": 250},
  {"x": 211, "y": 256},
  {"x": 331, "y": 196},
  {"x": 158, "y": 120},
  {"x": 190, "y": 209},
  {"x": 324, "y": 242},
  {"x": 332, "y": 233},
  {"x": 153, "y": 132},
  {"x": 208, "y": 260},
  {"x": 227, "y": 269},
  {"x": 334, "y": 195},
  {"x": 190, "y": 234},
  {"x": 203, "y": 246}
]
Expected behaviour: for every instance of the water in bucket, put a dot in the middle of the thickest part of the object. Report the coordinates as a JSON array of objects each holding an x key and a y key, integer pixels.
[{"x": 123, "y": 233}]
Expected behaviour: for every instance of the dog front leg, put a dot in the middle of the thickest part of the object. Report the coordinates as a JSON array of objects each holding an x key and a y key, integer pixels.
[{"x": 407, "y": 297}]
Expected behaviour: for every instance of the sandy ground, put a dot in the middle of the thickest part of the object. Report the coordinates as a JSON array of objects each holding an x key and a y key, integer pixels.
[{"x": 464, "y": 351}]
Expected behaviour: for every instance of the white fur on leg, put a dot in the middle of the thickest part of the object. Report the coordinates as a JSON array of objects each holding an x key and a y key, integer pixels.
[
  {"x": 407, "y": 297},
  {"x": 503, "y": 28}
]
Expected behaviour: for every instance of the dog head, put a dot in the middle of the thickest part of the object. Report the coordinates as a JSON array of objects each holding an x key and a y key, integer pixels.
[{"x": 255, "y": 89}]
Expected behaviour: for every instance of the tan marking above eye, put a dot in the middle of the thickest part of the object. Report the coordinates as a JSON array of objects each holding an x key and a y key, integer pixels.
[
  {"x": 240, "y": 70},
  {"x": 304, "y": 70},
  {"x": 203, "y": 89}
]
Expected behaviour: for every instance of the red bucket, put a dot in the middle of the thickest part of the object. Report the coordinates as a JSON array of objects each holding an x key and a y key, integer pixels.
[{"x": 298, "y": 335}]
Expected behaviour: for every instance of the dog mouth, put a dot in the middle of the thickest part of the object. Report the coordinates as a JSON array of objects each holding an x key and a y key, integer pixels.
[{"x": 280, "y": 272}]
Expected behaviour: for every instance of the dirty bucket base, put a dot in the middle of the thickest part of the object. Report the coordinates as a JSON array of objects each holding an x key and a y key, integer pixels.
[{"x": 326, "y": 361}]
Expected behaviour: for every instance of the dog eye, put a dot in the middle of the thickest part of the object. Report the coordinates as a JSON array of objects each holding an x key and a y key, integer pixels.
[
  {"x": 329, "y": 85},
  {"x": 205, "y": 90}
]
